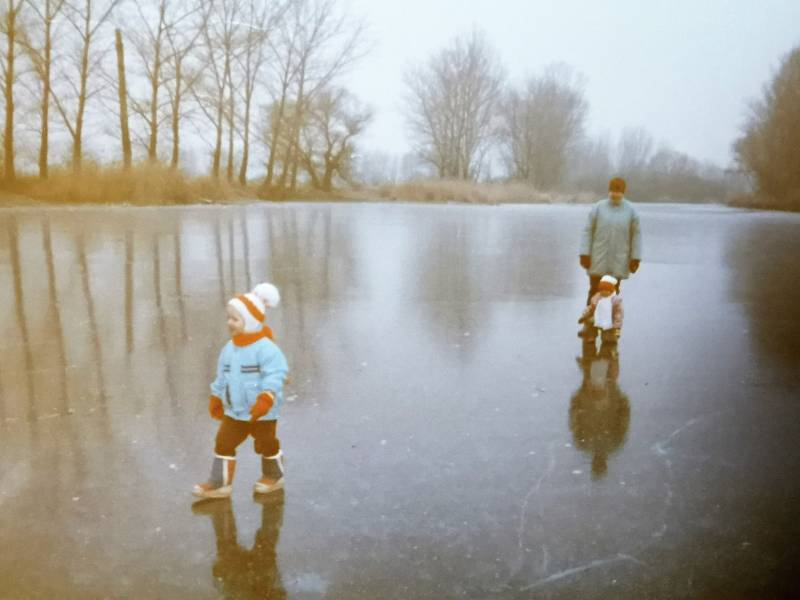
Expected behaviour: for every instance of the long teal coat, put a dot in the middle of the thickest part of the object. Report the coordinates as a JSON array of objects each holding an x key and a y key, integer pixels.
[{"x": 612, "y": 238}]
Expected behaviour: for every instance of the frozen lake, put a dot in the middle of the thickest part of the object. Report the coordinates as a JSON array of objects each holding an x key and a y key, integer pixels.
[{"x": 443, "y": 437}]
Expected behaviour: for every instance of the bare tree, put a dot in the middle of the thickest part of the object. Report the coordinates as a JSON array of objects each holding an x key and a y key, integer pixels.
[
  {"x": 86, "y": 19},
  {"x": 259, "y": 24},
  {"x": 335, "y": 118},
  {"x": 41, "y": 56},
  {"x": 9, "y": 28},
  {"x": 161, "y": 38},
  {"x": 321, "y": 41},
  {"x": 542, "y": 124},
  {"x": 634, "y": 150},
  {"x": 230, "y": 114},
  {"x": 675, "y": 176},
  {"x": 282, "y": 55},
  {"x": 768, "y": 148},
  {"x": 220, "y": 36},
  {"x": 181, "y": 77},
  {"x": 149, "y": 37},
  {"x": 452, "y": 102}
]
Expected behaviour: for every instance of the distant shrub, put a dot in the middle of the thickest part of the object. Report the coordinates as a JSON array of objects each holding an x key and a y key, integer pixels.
[{"x": 446, "y": 190}]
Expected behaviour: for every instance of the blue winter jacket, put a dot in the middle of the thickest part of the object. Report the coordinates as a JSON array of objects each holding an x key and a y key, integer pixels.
[{"x": 244, "y": 372}]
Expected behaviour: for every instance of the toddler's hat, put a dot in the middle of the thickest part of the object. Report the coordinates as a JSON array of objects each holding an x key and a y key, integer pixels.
[
  {"x": 251, "y": 306},
  {"x": 607, "y": 283}
]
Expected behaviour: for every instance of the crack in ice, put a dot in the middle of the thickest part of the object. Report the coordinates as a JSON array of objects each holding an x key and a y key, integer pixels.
[
  {"x": 524, "y": 509},
  {"x": 581, "y": 568},
  {"x": 661, "y": 447}
]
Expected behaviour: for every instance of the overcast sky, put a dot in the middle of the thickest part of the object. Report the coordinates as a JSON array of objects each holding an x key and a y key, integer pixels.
[{"x": 684, "y": 69}]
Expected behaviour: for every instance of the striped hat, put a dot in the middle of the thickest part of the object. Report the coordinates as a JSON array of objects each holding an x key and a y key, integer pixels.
[
  {"x": 251, "y": 306},
  {"x": 608, "y": 283}
]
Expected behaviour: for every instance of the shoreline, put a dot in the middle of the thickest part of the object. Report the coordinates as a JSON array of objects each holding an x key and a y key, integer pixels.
[{"x": 253, "y": 202}]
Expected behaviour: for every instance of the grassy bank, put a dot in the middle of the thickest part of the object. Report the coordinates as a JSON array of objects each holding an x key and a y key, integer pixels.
[
  {"x": 140, "y": 185},
  {"x": 156, "y": 184},
  {"x": 159, "y": 185}
]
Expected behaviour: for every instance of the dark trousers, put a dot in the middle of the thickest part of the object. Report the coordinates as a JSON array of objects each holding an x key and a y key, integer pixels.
[
  {"x": 233, "y": 432},
  {"x": 594, "y": 281}
]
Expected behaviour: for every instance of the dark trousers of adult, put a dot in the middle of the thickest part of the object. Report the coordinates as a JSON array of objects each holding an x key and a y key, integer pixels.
[
  {"x": 233, "y": 432},
  {"x": 594, "y": 281}
]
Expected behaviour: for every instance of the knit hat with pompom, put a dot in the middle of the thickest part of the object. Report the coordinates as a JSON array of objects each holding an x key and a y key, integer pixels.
[
  {"x": 608, "y": 283},
  {"x": 251, "y": 306}
]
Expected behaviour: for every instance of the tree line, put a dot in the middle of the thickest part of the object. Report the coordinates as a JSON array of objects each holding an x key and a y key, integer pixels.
[
  {"x": 260, "y": 82},
  {"x": 241, "y": 73},
  {"x": 769, "y": 148},
  {"x": 465, "y": 118}
]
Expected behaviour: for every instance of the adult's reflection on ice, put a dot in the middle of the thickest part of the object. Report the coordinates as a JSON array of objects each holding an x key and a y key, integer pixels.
[
  {"x": 599, "y": 412},
  {"x": 237, "y": 571}
]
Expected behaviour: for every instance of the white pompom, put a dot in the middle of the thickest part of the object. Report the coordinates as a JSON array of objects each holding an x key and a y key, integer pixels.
[{"x": 269, "y": 294}]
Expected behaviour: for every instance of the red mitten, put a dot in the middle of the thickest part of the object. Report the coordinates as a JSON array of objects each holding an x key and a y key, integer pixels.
[
  {"x": 586, "y": 261},
  {"x": 215, "y": 408},
  {"x": 634, "y": 265},
  {"x": 262, "y": 406}
]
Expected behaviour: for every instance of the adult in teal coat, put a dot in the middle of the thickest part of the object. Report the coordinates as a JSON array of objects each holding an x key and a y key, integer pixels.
[{"x": 612, "y": 242}]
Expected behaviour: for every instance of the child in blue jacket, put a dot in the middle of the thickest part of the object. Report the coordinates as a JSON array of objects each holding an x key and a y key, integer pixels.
[{"x": 247, "y": 395}]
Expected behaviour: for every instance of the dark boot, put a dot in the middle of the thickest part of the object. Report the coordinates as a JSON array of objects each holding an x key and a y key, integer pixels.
[
  {"x": 220, "y": 482},
  {"x": 271, "y": 474}
]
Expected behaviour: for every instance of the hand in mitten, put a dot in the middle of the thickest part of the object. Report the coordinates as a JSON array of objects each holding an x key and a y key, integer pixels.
[
  {"x": 586, "y": 261},
  {"x": 262, "y": 406},
  {"x": 634, "y": 265},
  {"x": 215, "y": 408}
]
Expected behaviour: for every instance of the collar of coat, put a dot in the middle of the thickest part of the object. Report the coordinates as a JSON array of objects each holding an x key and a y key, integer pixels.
[{"x": 245, "y": 339}]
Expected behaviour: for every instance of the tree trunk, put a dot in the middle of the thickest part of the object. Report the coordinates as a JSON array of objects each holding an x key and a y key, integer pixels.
[
  {"x": 77, "y": 142},
  {"x": 152, "y": 146},
  {"x": 45, "y": 113},
  {"x": 294, "y": 145},
  {"x": 246, "y": 143},
  {"x": 8, "y": 141},
  {"x": 276, "y": 130},
  {"x": 295, "y": 153},
  {"x": 330, "y": 168},
  {"x": 231, "y": 113},
  {"x": 312, "y": 175},
  {"x": 127, "y": 155},
  {"x": 327, "y": 179},
  {"x": 231, "y": 130},
  {"x": 176, "y": 112},
  {"x": 218, "y": 145},
  {"x": 155, "y": 83},
  {"x": 220, "y": 116}
]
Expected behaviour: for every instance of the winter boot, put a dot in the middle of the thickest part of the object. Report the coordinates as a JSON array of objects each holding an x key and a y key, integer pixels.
[
  {"x": 220, "y": 482},
  {"x": 271, "y": 474}
]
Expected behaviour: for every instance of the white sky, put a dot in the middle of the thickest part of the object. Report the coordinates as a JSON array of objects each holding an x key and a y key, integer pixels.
[{"x": 684, "y": 69}]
